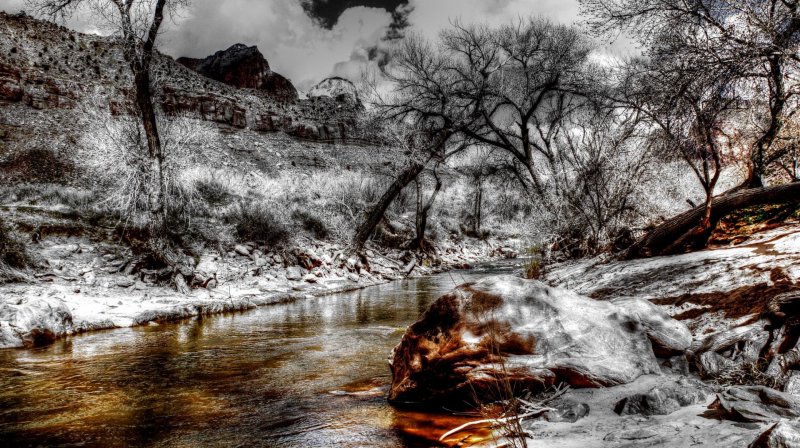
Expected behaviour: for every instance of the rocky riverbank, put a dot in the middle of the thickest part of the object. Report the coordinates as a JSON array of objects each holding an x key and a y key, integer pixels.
[
  {"x": 85, "y": 285},
  {"x": 696, "y": 349}
]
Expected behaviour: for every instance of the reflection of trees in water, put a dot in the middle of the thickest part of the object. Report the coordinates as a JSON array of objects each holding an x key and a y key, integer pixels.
[{"x": 156, "y": 368}]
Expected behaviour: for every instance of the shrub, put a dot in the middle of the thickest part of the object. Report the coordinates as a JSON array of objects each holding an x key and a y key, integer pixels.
[
  {"x": 533, "y": 265},
  {"x": 311, "y": 224},
  {"x": 213, "y": 191},
  {"x": 13, "y": 255},
  {"x": 256, "y": 221},
  {"x": 114, "y": 150}
]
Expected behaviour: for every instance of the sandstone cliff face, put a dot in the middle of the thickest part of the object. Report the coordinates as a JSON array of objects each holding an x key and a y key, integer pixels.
[
  {"x": 244, "y": 67},
  {"x": 46, "y": 66}
]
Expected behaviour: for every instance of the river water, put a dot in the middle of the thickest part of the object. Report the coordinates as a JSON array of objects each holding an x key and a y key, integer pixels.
[{"x": 312, "y": 373}]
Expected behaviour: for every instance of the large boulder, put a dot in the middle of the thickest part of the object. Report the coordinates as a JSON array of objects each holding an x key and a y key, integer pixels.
[{"x": 524, "y": 334}]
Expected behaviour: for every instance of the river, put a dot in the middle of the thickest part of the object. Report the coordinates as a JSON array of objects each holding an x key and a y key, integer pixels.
[{"x": 311, "y": 373}]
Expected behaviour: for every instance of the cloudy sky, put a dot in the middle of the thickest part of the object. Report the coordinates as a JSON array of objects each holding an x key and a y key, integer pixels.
[{"x": 308, "y": 40}]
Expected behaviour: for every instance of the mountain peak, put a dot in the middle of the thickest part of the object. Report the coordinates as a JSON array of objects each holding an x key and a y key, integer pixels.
[
  {"x": 244, "y": 67},
  {"x": 335, "y": 87}
]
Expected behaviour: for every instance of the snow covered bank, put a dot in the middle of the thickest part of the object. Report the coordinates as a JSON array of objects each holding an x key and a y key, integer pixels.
[{"x": 92, "y": 286}]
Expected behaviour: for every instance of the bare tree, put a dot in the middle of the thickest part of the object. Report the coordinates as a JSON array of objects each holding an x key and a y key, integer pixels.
[
  {"x": 505, "y": 88},
  {"x": 603, "y": 159},
  {"x": 753, "y": 43},
  {"x": 137, "y": 23},
  {"x": 692, "y": 110},
  {"x": 423, "y": 210},
  {"x": 520, "y": 81},
  {"x": 426, "y": 125},
  {"x": 479, "y": 165}
]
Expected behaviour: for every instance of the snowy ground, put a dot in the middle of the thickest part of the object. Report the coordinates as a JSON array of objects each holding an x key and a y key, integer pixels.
[{"x": 707, "y": 271}]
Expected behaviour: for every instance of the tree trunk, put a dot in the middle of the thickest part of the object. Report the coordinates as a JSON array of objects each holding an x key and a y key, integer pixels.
[
  {"x": 476, "y": 225},
  {"x": 418, "y": 242},
  {"x": 671, "y": 236},
  {"x": 157, "y": 199},
  {"x": 374, "y": 216}
]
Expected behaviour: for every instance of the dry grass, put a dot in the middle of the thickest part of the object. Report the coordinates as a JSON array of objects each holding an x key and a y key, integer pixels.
[
  {"x": 14, "y": 258},
  {"x": 748, "y": 374}
]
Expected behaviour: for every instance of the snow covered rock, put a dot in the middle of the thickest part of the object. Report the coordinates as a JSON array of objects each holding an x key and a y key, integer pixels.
[
  {"x": 523, "y": 331},
  {"x": 334, "y": 87},
  {"x": 669, "y": 337},
  {"x": 294, "y": 273},
  {"x": 32, "y": 322}
]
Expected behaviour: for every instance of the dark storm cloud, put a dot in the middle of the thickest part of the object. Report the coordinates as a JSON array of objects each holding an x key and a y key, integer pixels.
[{"x": 327, "y": 12}]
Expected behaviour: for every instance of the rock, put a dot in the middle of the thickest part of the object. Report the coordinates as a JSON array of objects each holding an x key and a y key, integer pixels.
[
  {"x": 242, "y": 250},
  {"x": 567, "y": 412},
  {"x": 661, "y": 400},
  {"x": 260, "y": 261},
  {"x": 89, "y": 278},
  {"x": 277, "y": 259},
  {"x": 710, "y": 364},
  {"x": 543, "y": 335},
  {"x": 353, "y": 277},
  {"x": 125, "y": 282},
  {"x": 784, "y": 434},
  {"x": 677, "y": 364},
  {"x": 634, "y": 434},
  {"x": 793, "y": 384},
  {"x": 758, "y": 404},
  {"x": 180, "y": 284},
  {"x": 294, "y": 273},
  {"x": 669, "y": 337},
  {"x": 336, "y": 88},
  {"x": 33, "y": 322},
  {"x": 310, "y": 278},
  {"x": 208, "y": 265},
  {"x": 244, "y": 67}
]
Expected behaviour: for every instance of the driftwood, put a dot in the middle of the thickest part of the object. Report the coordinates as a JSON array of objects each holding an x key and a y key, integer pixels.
[{"x": 672, "y": 236}]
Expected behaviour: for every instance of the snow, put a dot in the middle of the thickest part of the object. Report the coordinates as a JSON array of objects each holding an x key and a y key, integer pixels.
[
  {"x": 333, "y": 87},
  {"x": 707, "y": 271}
]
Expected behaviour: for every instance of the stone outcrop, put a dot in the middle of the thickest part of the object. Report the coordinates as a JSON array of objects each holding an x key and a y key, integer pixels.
[
  {"x": 757, "y": 404},
  {"x": 209, "y": 107},
  {"x": 506, "y": 330},
  {"x": 244, "y": 67}
]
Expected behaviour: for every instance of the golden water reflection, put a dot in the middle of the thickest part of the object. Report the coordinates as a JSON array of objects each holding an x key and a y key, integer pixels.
[{"x": 306, "y": 374}]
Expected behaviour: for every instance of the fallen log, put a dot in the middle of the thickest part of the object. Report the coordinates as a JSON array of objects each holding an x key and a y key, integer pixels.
[{"x": 661, "y": 241}]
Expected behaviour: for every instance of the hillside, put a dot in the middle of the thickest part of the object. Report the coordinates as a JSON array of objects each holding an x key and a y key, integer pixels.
[{"x": 48, "y": 73}]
